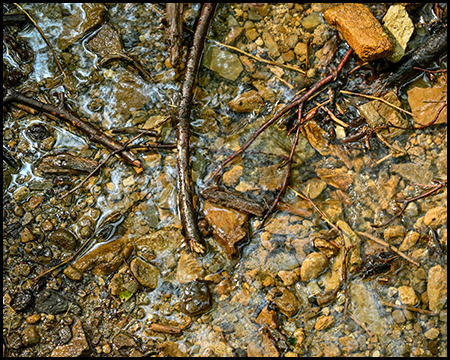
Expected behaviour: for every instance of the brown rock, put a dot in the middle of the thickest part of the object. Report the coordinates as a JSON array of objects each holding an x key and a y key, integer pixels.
[
  {"x": 268, "y": 318},
  {"x": 436, "y": 216},
  {"x": 361, "y": 30},
  {"x": 106, "y": 258},
  {"x": 78, "y": 346},
  {"x": 227, "y": 226},
  {"x": 324, "y": 322},
  {"x": 271, "y": 177},
  {"x": 285, "y": 300},
  {"x": 84, "y": 19},
  {"x": 106, "y": 41},
  {"x": 339, "y": 178},
  {"x": 246, "y": 102},
  {"x": 189, "y": 268},
  {"x": 147, "y": 274},
  {"x": 408, "y": 296}
]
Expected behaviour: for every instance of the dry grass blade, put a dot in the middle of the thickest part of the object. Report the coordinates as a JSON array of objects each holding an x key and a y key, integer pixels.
[{"x": 49, "y": 45}]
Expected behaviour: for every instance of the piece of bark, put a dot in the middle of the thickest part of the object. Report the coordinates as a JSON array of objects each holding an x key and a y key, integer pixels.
[{"x": 174, "y": 31}]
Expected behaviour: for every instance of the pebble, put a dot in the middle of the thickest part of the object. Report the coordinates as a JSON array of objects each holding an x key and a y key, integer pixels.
[
  {"x": 286, "y": 301},
  {"x": 394, "y": 234},
  {"x": 224, "y": 63},
  {"x": 63, "y": 239},
  {"x": 78, "y": 346},
  {"x": 398, "y": 316},
  {"x": 122, "y": 340},
  {"x": 246, "y": 102},
  {"x": 314, "y": 264},
  {"x": 324, "y": 322},
  {"x": 437, "y": 288},
  {"x": 26, "y": 235},
  {"x": 432, "y": 334},
  {"x": 408, "y": 296},
  {"x": 399, "y": 27},
  {"x": 21, "y": 193},
  {"x": 73, "y": 274},
  {"x": 196, "y": 298},
  {"x": 188, "y": 268},
  {"x": 30, "y": 336},
  {"x": 435, "y": 217},
  {"x": 147, "y": 274}
]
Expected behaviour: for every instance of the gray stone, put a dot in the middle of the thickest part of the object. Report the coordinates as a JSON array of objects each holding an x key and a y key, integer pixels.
[{"x": 224, "y": 63}]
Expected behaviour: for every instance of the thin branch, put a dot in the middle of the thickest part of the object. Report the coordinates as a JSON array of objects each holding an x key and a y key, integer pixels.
[
  {"x": 11, "y": 95},
  {"x": 187, "y": 212},
  {"x": 389, "y": 246},
  {"x": 405, "y": 307}
]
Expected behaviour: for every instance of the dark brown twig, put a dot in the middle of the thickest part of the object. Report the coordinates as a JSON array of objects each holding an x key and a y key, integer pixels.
[
  {"x": 174, "y": 31},
  {"x": 11, "y": 95},
  {"x": 187, "y": 212}
]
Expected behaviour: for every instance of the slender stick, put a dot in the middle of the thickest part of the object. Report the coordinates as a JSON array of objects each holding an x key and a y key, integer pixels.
[
  {"x": 187, "y": 212},
  {"x": 11, "y": 95},
  {"x": 389, "y": 246},
  {"x": 405, "y": 307}
]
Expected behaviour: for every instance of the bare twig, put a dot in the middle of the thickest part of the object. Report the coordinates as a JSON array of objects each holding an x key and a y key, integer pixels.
[
  {"x": 11, "y": 95},
  {"x": 405, "y": 307},
  {"x": 187, "y": 212},
  {"x": 389, "y": 246},
  {"x": 174, "y": 32}
]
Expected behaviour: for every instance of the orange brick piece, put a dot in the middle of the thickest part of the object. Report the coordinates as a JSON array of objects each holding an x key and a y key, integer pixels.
[{"x": 361, "y": 30}]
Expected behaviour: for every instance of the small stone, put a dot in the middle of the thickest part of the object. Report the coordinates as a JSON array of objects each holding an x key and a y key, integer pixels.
[
  {"x": 106, "y": 41},
  {"x": 72, "y": 273},
  {"x": 285, "y": 300},
  {"x": 408, "y": 296},
  {"x": 33, "y": 319},
  {"x": 26, "y": 235},
  {"x": 78, "y": 346},
  {"x": 189, "y": 268},
  {"x": 63, "y": 239},
  {"x": 251, "y": 34},
  {"x": 147, "y": 274},
  {"x": 288, "y": 277},
  {"x": 311, "y": 21},
  {"x": 349, "y": 344},
  {"x": 22, "y": 270},
  {"x": 301, "y": 50},
  {"x": 233, "y": 175},
  {"x": 30, "y": 336},
  {"x": 224, "y": 63},
  {"x": 432, "y": 334},
  {"x": 271, "y": 44},
  {"x": 121, "y": 341},
  {"x": 35, "y": 201},
  {"x": 410, "y": 240},
  {"x": 398, "y": 316},
  {"x": 268, "y": 318},
  {"x": 21, "y": 193},
  {"x": 196, "y": 298},
  {"x": 437, "y": 288},
  {"x": 234, "y": 34},
  {"x": 246, "y": 102},
  {"x": 394, "y": 234},
  {"x": 47, "y": 225},
  {"x": 224, "y": 287},
  {"x": 314, "y": 264},
  {"x": 324, "y": 322},
  {"x": 399, "y": 27},
  {"x": 435, "y": 217}
]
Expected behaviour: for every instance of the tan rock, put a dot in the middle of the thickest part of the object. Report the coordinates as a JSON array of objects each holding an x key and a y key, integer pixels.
[
  {"x": 408, "y": 296},
  {"x": 271, "y": 177},
  {"x": 437, "y": 288},
  {"x": 361, "y": 30},
  {"x": 399, "y": 27},
  {"x": 324, "y": 322},
  {"x": 340, "y": 178},
  {"x": 188, "y": 269},
  {"x": 233, "y": 175},
  {"x": 436, "y": 216},
  {"x": 314, "y": 264},
  {"x": 288, "y": 277},
  {"x": 78, "y": 346},
  {"x": 285, "y": 300}
]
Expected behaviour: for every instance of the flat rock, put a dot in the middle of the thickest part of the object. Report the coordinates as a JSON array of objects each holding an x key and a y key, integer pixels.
[
  {"x": 224, "y": 63},
  {"x": 399, "y": 27},
  {"x": 65, "y": 164},
  {"x": 77, "y": 347},
  {"x": 286, "y": 301},
  {"x": 314, "y": 264},
  {"x": 246, "y": 102},
  {"x": 85, "y": 18},
  {"x": 365, "y": 308},
  {"x": 147, "y": 274},
  {"x": 436, "y": 216},
  {"x": 189, "y": 268},
  {"x": 105, "y": 258},
  {"x": 106, "y": 41},
  {"x": 361, "y": 30},
  {"x": 425, "y": 111},
  {"x": 227, "y": 226},
  {"x": 415, "y": 172}
]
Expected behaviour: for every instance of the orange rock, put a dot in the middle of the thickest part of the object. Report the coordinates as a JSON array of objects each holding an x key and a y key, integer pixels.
[
  {"x": 227, "y": 226},
  {"x": 361, "y": 30}
]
